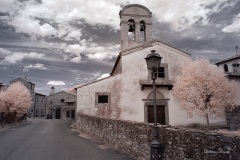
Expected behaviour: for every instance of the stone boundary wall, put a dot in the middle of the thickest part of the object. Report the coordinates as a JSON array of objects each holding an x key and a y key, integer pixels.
[
  {"x": 233, "y": 119},
  {"x": 134, "y": 138}
]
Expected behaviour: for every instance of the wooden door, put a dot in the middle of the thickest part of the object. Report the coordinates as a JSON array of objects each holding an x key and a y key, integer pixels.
[
  {"x": 58, "y": 113},
  {"x": 160, "y": 114}
]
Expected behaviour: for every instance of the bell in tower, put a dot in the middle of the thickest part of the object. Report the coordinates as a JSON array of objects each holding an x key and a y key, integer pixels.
[
  {"x": 142, "y": 26},
  {"x": 131, "y": 25}
]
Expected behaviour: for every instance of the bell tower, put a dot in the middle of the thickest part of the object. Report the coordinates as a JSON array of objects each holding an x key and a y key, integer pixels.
[{"x": 136, "y": 26}]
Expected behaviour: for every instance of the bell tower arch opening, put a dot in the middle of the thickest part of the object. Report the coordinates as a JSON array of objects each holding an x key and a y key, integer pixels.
[
  {"x": 142, "y": 31},
  {"x": 131, "y": 30},
  {"x": 135, "y": 26}
]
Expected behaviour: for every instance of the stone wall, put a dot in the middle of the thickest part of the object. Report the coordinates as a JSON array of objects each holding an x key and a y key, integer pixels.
[
  {"x": 133, "y": 138},
  {"x": 233, "y": 119}
]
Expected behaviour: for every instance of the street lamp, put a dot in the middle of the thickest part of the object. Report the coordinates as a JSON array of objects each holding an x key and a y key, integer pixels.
[{"x": 153, "y": 63}]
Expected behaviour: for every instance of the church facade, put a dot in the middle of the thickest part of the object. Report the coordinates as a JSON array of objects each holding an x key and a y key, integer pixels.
[{"x": 127, "y": 94}]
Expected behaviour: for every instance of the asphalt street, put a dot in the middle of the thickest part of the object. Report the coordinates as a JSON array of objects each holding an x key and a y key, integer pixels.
[{"x": 42, "y": 139}]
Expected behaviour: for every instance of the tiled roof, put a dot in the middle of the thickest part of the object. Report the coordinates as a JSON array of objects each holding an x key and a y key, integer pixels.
[
  {"x": 149, "y": 44},
  {"x": 229, "y": 59}
]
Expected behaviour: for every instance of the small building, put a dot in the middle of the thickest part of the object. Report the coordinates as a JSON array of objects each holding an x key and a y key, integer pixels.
[
  {"x": 61, "y": 105},
  {"x": 38, "y": 108},
  {"x": 231, "y": 67},
  {"x": 40, "y": 105},
  {"x": 127, "y": 94}
]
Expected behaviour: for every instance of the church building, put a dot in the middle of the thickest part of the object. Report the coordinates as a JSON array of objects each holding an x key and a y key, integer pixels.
[{"x": 127, "y": 94}]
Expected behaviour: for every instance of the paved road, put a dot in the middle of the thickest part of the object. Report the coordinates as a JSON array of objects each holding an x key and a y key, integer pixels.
[{"x": 43, "y": 139}]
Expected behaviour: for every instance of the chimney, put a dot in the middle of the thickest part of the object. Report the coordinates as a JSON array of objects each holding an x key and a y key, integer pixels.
[{"x": 52, "y": 90}]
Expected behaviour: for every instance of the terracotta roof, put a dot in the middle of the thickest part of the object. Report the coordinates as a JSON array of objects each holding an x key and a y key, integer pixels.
[
  {"x": 60, "y": 92},
  {"x": 228, "y": 59},
  {"x": 116, "y": 63},
  {"x": 148, "y": 44},
  {"x": 96, "y": 81},
  {"x": 135, "y": 5},
  {"x": 40, "y": 94}
]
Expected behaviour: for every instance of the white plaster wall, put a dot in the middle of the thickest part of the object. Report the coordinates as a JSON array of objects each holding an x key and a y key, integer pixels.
[
  {"x": 86, "y": 97},
  {"x": 134, "y": 69}
]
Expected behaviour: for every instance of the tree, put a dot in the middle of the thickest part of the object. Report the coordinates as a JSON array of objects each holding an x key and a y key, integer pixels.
[
  {"x": 203, "y": 87},
  {"x": 18, "y": 99},
  {"x": 2, "y": 107}
]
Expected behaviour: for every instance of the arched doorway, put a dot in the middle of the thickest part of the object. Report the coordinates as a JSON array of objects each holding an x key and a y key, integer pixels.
[{"x": 162, "y": 109}]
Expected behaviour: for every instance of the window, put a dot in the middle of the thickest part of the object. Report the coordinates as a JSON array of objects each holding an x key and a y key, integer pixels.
[
  {"x": 62, "y": 100},
  {"x": 70, "y": 103},
  {"x": 225, "y": 68},
  {"x": 160, "y": 73},
  {"x": 102, "y": 98}
]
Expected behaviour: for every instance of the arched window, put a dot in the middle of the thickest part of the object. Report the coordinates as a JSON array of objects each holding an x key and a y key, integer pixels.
[
  {"x": 142, "y": 31},
  {"x": 131, "y": 29},
  {"x": 225, "y": 68}
]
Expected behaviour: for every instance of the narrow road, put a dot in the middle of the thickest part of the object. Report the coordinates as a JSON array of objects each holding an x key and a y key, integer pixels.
[{"x": 43, "y": 139}]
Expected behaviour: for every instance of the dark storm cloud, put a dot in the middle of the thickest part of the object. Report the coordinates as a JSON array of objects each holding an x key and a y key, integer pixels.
[{"x": 103, "y": 34}]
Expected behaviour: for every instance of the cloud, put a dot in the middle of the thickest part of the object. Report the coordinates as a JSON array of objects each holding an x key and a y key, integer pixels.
[
  {"x": 56, "y": 83},
  {"x": 55, "y": 18},
  {"x": 4, "y": 51},
  {"x": 75, "y": 48},
  {"x": 182, "y": 14},
  {"x": 99, "y": 56},
  {"x": 234, "y": 27},
  {"x": 76, "y": 60},
  {"x": 19, "y": 56},
  {"x": 104, "y": 76},
  {"x": 36, "y": 66},
  {"x": 6, "y": 5}
]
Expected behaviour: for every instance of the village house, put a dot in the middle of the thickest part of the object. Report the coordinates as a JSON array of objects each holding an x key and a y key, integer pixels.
[
  {"x": 127, "y": 94},
  {"x": 232, "y": 69},
  {"x": 38, "y": 108},
  {"x": 61, "y": 105}
]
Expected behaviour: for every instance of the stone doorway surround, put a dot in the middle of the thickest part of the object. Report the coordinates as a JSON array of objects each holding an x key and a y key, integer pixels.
[{"x": 160, "y": 101}]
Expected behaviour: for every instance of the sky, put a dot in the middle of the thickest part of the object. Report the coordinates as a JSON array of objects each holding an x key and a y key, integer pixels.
[{"x": 64, "y": 43}]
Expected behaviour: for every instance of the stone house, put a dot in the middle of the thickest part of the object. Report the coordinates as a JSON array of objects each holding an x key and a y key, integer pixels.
[
  {"x": 61, "y": 105},
  {"x": 127, "y": 93},
  {"x": 38, "y": 108},
  {"x": 40, "y": 105},
  {"x": 232, "y": 69}
]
